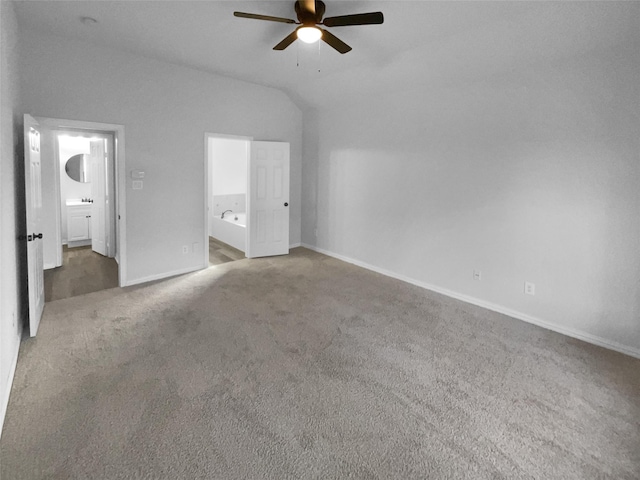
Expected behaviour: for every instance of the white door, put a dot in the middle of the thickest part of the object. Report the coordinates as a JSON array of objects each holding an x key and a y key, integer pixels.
[
  {"x": 33, "y": 200},
  {"x": 268, "y": 199},
  {"x": 98, "y": 195}
]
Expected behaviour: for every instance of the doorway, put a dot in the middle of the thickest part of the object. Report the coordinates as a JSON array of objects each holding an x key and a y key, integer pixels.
[
  {"x": 246, "y": 195},
  {"x": 228, "y": 158},
  {"x": 101, "y": 148},
  {"x": 80, "y": 258}
]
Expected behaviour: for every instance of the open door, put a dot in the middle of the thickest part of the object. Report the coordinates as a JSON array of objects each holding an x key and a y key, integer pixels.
[
  {"x": 33, "y": 196},
  {"x": 98, "y": 195},
  {"x": 268, "y": 199}
]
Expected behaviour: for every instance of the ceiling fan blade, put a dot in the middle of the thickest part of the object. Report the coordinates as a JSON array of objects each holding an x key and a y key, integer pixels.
[
  {"x": 288, "y": 40},
  {"x": 334, "y": 41},
  {"x": 373, "y": 18},
  {"x": 263, "y": 17}
]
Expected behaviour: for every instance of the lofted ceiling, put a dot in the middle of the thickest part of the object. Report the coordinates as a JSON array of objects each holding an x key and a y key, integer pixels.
[{"x": 422, "y": 44}]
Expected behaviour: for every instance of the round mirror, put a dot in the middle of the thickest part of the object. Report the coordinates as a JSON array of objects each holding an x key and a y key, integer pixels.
[{"x": 78, "y": 168}]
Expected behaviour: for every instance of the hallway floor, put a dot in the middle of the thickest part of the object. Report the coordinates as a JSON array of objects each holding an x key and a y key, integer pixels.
[
  {"x": 82, "y": 271},
  {"x": 220, "y": 252}
]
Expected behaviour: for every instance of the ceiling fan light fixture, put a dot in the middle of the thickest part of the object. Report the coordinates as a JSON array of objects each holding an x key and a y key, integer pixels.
[{"x": 309, "y": 34}]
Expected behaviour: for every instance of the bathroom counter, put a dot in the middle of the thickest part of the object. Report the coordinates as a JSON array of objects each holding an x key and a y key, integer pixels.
[{"x": 76, "y": 203}]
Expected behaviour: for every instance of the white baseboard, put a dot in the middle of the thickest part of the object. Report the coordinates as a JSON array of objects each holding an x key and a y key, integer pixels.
[
  {"x": 161, "y": 276},
  {"x": 79, "y": 243},
  {"x": 5, "y": 400},
  {"x": 295, "y": 245},
  {"x": 570, "y": 332}
]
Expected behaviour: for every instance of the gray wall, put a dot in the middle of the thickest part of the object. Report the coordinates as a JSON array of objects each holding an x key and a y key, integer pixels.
[
  {"x": 11, "y": 275},
  {"x": 166, "y": 110},
  {"x": 527, "y": 174}
]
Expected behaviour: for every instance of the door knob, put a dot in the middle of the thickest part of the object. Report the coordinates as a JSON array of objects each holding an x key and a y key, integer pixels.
[
  {"x": 38, "y": 235},
  {"x": 286, "y": 204}
]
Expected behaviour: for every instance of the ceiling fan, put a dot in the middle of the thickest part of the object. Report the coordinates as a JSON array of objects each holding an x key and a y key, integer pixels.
[{"x": 310, "y": 13}]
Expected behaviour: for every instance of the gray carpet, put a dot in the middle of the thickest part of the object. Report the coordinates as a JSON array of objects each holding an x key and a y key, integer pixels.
[{"x": 303, "y": 366}]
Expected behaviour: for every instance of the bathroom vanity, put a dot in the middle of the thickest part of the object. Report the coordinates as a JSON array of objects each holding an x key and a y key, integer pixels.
[{"x": 78, "y": 220}]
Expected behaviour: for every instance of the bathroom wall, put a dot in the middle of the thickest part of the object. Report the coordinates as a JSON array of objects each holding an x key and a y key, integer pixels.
[
  {"x": 236, "y": 202},
  {"x": 228, "y": 165},
  {"x": 227, "y": 176},
  {"x": 69, "y": 188}
]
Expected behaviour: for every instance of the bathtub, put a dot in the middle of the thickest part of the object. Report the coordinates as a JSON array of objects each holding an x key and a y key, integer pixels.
[{"x": 232, "y": 229}]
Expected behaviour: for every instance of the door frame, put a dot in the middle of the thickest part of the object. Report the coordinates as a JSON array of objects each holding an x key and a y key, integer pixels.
[
  {"x": 117, "y": 131},
  {"x": 207, "y": 137}
]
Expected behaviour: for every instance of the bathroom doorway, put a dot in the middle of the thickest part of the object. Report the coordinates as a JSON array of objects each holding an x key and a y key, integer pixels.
[
  {"x": 227, "y": 159},
  {"x": 80, "y": 258},
  {"x": 56, "y": 256},
  {"x": 247, "y": 195}
]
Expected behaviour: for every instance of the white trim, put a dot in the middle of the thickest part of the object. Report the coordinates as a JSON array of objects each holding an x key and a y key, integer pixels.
[
  {"x": 5, "y": 401},
  {"x": 56, "y": 188},
  {"x": 570, "y": 332},
  {"x": 295, "y": 245},
  {"x": 162, "y": 276},
  {"x": 205, "y": 243},
  {"x": 228, "y": 137}
]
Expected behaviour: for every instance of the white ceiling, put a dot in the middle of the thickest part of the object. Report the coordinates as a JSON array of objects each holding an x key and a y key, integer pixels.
[{"x": 422, "y": 44}]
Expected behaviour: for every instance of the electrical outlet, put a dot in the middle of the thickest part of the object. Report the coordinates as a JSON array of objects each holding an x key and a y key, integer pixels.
[
  {"x": 529, "y": 288},
  {"x": 477, "y": 275},
  {"x": 136, "y": 184},
  {"x": 185, "y": 249}
]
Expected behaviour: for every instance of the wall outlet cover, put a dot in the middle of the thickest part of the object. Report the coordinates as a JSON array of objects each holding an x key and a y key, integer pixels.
[{"x": 529, "y": 288}]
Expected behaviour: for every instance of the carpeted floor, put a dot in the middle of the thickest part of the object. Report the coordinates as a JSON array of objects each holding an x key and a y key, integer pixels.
[{"x": 303, "y": 366}]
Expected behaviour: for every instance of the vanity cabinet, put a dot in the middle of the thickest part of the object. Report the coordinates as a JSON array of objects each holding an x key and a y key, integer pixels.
[{"x": 78, "y": 222}]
